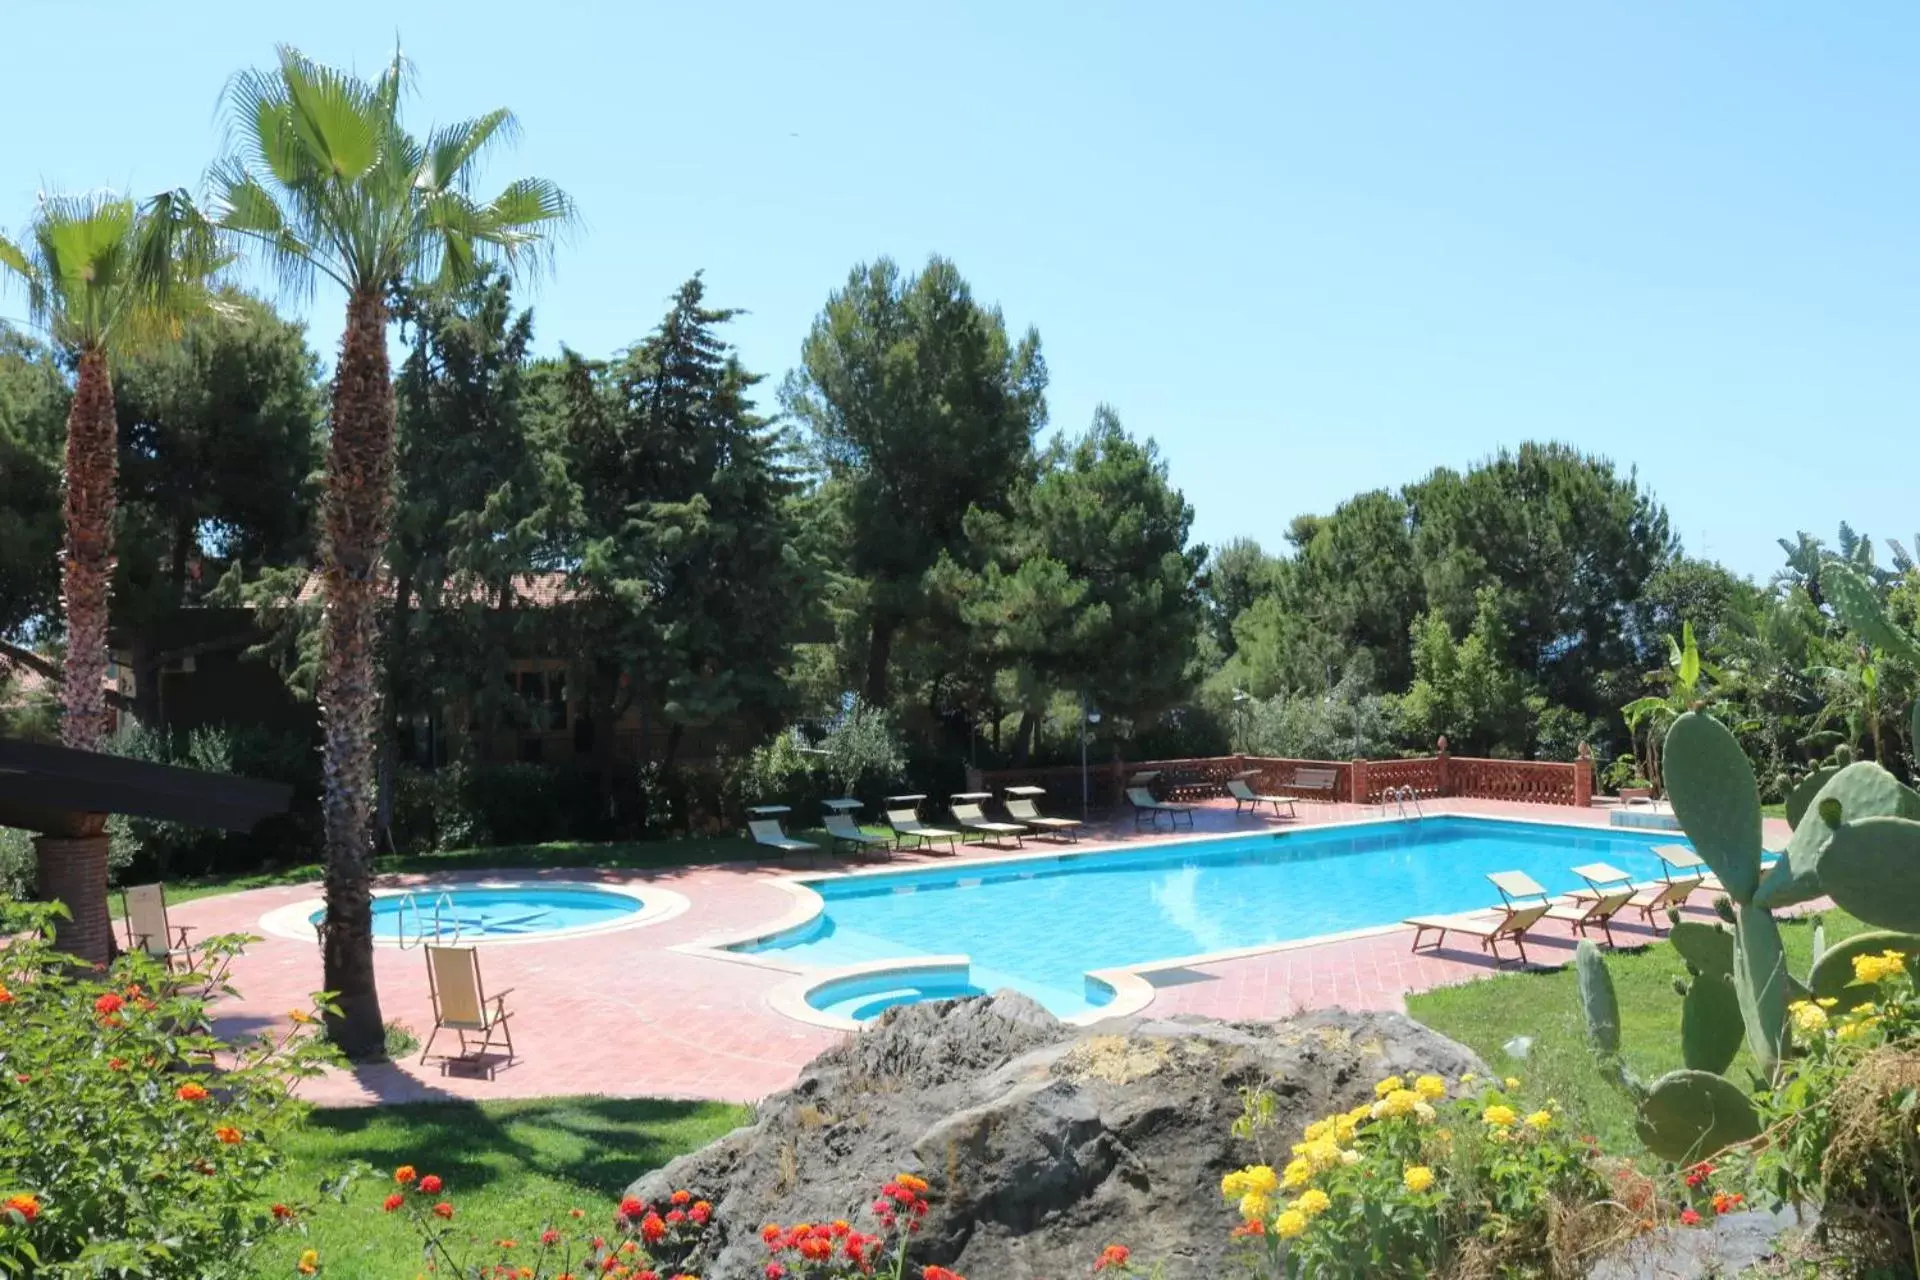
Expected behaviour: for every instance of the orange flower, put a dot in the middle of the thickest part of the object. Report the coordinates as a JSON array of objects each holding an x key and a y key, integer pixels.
[
  {"x": 681, "y": 1197},
  {"x": 404, "y": 1174},
  {"x": 393, "y": 1202},
  {"x": 916, "y": 1185},
  {"x": 190, "y": 1093},
  {"x": 116, "y": 1064},
  {"x": 228, "y": 1135},
  {"x": 1114, "y": 1255},
  {"x": 108, "y": 1005},
  {"x": 6, "y": 996},
  {"x": 27, "y": 1206},
  {"x": 443, "y": 1210},
  {"x": 309, "y": 1262},
  {"x": 282, "y": 1213}
]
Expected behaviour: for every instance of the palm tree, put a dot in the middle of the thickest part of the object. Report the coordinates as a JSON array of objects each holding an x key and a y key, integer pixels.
[
  {"x": 325, "y": 181},
  {"x": 102, "y": 275}
]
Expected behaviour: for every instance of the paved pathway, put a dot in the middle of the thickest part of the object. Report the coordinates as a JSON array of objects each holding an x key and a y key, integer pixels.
[{"x": 624, "y": 1014}]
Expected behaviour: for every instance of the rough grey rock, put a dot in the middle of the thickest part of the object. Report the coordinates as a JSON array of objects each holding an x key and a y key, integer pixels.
[
  {"x": 1727, "y": 1247},
  {"x": 1043, "y": 1142}
]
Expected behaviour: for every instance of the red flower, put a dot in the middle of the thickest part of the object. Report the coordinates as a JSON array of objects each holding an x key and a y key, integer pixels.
[
  {"x": 1114, "y": 1255},
  {"x": 190, "y": 1093},
  {"x": 404, "y": 1174},
  {"x": 675, "y": 1217},
  {"x": 393, "y": 1202},
  {"x": 116, "y": 1064},
  {"x": 775, "y": 1271},
  {"x": 652, "y": 1230},
  {"x": 6, "y": 996},
  {"x": 700, "y": 1212},
  {"x": 430, "y": 1185},
  {"x": 27, "y": 1206},
  {"x": 681, "y": 1197},
  {"x": 816, "y": 1249},
  {"x": 1724, "y": 1202},
  {"x": 281, "y": 1212},
  {"x": 633, "y": 1207},
  {"x": 549, "y": 1237},
  {"x": 939, "y": 1273},
  {"x": 443, "y": 1210},
  {"x": 576, "y": 1213},
  {"x": 771, "y": 1233},
  {"x": 108, "y": 1005},
  {"x": 1689, "y": 1218},
  {"x": 1254, "y": 1228}
]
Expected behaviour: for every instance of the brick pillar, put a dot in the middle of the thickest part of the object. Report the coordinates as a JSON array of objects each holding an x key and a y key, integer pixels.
[
  {"x": 1357, "y": 782},
  {"x": 1443, "y": 760},
  {"x": 1583, "y": 777},
  {"x": 73, "y": 870}
]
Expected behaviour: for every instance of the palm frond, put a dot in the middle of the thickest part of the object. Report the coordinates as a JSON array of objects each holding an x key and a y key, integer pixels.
[{"x": 451, "y": 150}]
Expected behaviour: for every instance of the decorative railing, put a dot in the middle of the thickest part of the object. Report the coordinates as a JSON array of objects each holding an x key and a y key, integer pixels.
[{"x": 1354, "y": 781}]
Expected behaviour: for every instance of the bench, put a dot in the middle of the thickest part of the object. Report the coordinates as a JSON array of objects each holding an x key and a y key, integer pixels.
[{"x": 1316, "y": 782}]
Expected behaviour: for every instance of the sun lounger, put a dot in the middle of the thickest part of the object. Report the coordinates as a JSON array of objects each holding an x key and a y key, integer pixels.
[
  {"x": 1145, "y": 806},
  {"x": 461, "y": 1005},
  {"x": 1492, "y": 927},
  {"x": 1023, "y": 805},
  {"x": 1245, "y": 797},
  {"x": 971, "y": 817},
  {"x": 903, "y": 815},
  {"x": 1517, "y": 887},
  {"x": 1654, "y": 901},
  {"x": 1584, "y": 912},
  {"x": 845, "y": 831},
  {"x": 149, "y": 929},
  {"x": 768, "y": 832}
]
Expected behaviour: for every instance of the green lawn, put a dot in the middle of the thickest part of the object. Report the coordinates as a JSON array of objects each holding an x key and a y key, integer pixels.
[
  {"x": 1489, "y": 1015},
  {"x": 510, "y": 1168}
]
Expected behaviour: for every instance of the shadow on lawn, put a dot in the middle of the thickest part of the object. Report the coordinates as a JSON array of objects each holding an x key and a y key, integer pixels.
[{"x": 614, "y": 1140}]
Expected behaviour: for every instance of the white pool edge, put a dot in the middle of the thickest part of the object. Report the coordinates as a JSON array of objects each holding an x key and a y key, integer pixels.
[
  {"x": 295, "y": 920},
  {"x": 1133, "y": 990}
]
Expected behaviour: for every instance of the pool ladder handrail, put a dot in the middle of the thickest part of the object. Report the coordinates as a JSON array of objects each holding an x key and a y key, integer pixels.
[
  {"x": 1400, "y": 797},
  {"x": 441, "y": 900}
]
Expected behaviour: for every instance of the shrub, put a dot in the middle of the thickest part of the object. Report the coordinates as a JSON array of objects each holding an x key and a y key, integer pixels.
[
  {"x": 132, "y": 1141},
  {"x": 863, "y": 749},
  {"x": 16, "y": 863},
  {"x": 463, "y": 805}
]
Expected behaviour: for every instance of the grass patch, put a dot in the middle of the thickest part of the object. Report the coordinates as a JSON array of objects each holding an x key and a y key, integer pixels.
[
  {"x": 510, "y": 1167},
  {"x": 1490, "y": 1015}
]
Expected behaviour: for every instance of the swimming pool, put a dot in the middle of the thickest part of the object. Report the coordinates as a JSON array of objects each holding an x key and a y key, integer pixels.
[
  {"x": 1038, "y": 925},
  {"x": 493, "y": 913}
]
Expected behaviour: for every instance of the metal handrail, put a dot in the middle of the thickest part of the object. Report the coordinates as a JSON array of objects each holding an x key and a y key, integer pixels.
[
  {"x": 1404, "y": 794},
  {"x": 400, "y": 918},
  {"x": 445, "y": 899}
]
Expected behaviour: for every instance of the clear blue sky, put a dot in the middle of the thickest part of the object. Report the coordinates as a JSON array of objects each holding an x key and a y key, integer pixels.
[{"x": 1311, "y": 249}]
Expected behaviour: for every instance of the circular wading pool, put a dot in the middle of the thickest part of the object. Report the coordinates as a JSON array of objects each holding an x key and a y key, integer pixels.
[{"x": 497, "y": 913}]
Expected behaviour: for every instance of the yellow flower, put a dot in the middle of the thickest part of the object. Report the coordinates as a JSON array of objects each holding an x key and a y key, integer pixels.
[
  {"x": 1344, "y": 1128},
  {"x": 1297, "y": 1174},
  {"x": 309, "y": 1262},
  {"x": 1432, "y": 1088},
  {"x": 1499, "y": 1116},
  {"x": 1254, "y": 1207},
  {"x": 1318, "y": 1129},
  {"x": 1827, "y": 1002},
  {"x": 1262, "y": 1180},
  {"x": 1868, "y": 970},
  {"x": 1513, "y": 1082},
  {"x": 300, "y": 1017},
  {"x": 1426, "y": 1112},
  {"x": 1399, "y": 1102},
  {"x": 1234, "y": 1185},
  {"x": 1321, "y": 1154},
  {"x": 1539, "y": 1119},
  {"x": 1290, "y": 1224},
  {"x": 1468, "y": 1079},
  {"x": 1808, "y": 1018},
  {"x": 1360, "y": 1112},
  {"x": 1313, "y": 1202},
  {"x": 1387, "y": 1086},
  {"x": 1417, "y": 1178},
  {"x": 1443, "y": 1136}
]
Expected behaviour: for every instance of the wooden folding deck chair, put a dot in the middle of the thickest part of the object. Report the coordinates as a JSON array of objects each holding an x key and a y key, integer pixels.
[
  {"x": 1491, "y": 927},
  {"x": 149, "y": 929},
  {"x": 461, "y": 1005}
]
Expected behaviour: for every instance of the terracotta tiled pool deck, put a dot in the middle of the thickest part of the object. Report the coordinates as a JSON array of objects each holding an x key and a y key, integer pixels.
[{"x": 626, "y": 1014}]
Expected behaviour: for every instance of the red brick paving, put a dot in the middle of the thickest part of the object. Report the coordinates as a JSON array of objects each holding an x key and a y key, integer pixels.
[{"x": 624, "y": 1014}]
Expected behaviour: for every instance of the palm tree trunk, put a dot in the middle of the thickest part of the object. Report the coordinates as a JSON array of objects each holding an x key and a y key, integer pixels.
[
  {"x": 73, "y": 870},
  {"x": 86, "y": 572},
  {"x": 355, "y": 513}
]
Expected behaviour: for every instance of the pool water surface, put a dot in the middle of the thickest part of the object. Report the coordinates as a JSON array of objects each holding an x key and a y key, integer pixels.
[
  {"x": 480, "y": 914},
  {"x": 1039, "y": 925}
]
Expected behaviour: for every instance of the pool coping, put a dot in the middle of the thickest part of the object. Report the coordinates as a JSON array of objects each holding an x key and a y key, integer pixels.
[
  {"x": 1132, "y": 986},
  {"x": 657, "y": 905}
]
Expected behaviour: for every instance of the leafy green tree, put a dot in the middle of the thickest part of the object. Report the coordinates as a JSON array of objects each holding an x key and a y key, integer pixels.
[
  {"x": 919, "y": 409},
  {"x": 325, "y": 180},
  {"x": 1465, "y": 689},
  {"x": 1236, "y": 576},
  {"x": 689, "y": 578},
  {"x": 1683, "y": 689},
  {"x": 33, "y": 412},
  {"x": 1355, "y": 581}
]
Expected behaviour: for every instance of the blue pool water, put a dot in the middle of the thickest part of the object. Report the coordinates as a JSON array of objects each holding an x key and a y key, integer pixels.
[
  {"x": 1039, "y": 925},
  {"x": 480, "y": 914},
  {"x": 869, "y": 997}
]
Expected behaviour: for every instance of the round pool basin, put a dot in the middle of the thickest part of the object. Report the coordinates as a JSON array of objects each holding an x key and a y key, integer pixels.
[
  {"x": 483, "y": 914},
  {"x": 865, "y": 997}
]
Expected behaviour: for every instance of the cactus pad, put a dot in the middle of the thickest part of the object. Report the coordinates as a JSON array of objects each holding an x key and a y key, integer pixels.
[
  {"x": 1800, "y": 796},
  {"x": 1833, "y": 973},
  {"x": 1690, "y": 1115},
  {"x": 1872, "y": 868},
  {"x": 1861, "y": 790},
  {"x": 1854, "y": 599},
  {"x": 1716, "y": 799},
  {"x": 1706, "y": 947},
  {"x": 1597, "y": 1000},
  {"x": 1760, "y": 982},
  {"x": 1710, "y": 1024}
]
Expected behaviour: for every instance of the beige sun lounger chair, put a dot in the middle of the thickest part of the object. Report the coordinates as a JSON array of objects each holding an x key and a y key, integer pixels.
[
  {"x": 1684, "y": 864},
  {"x": 1586, "y": 912},
  {"x": 766, "y": 830},
  {"x": 1023, "y": 805},
  {"x": 461, "y": 1005},
  {"x": 1492, "y": 927},
  {"x": 1245, "y": 797},
  {"x": 845, "y": 831},
  {"x": 149, "y": 929},
  {"x": 971, "y": 817},
  {"x": 903, "y": 815},
  {"x": 1145, "y": 806},
  {"x": 1518, "y": 888},
  {"x": 1654, "y": 901}
]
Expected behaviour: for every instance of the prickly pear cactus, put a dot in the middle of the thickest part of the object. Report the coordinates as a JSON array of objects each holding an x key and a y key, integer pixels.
[
  {"x": 1716, "y": 799},
  {"x": 1861, "y": 790},
  {"x": 1689, "y": 1115},
  {"x": 1760, "y": 982},
  {"x": 1853, "y": 598},
  {"x": 1707, "y": 948},
  {"x": 1711, "y": 1027},
  {"x": 1872, "y": 868},
  {"x": 1832, "y": 977},
  {"x": 1800, "y": 798},
  {"x": 1597, "y": 1000}
]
